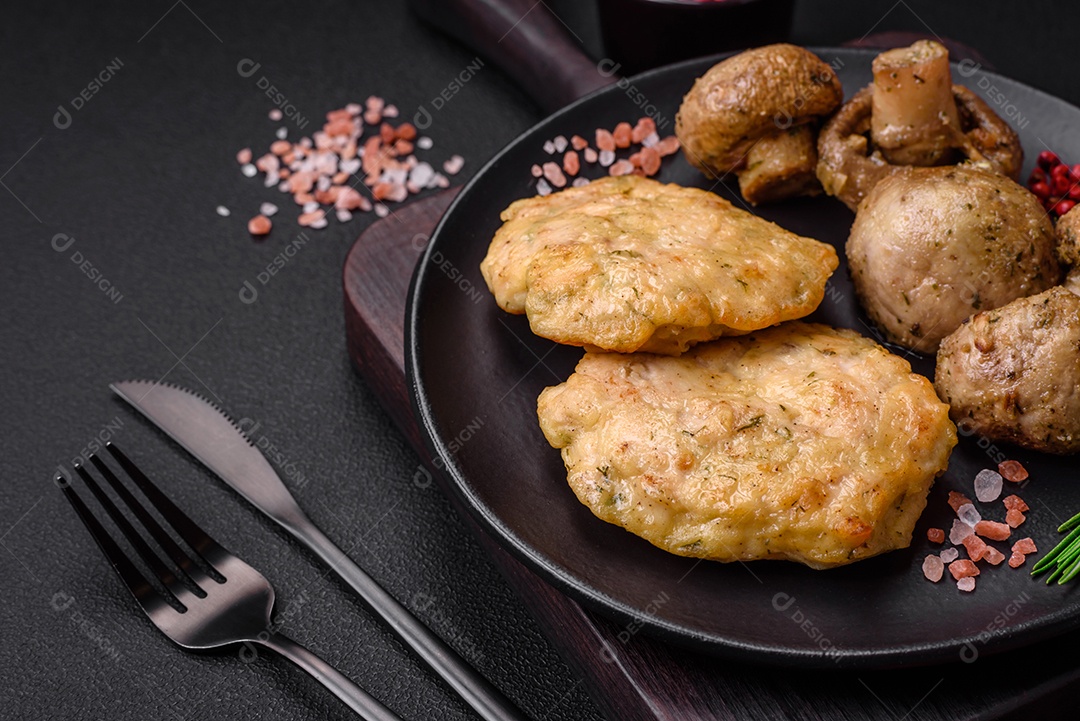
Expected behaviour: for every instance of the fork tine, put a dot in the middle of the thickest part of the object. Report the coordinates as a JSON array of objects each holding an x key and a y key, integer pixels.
[
  {"x": 188, "y": 530},
  {"x": 131, "y": 576},
  {"x": 157, "y": 566},
  {"x": 187, "y": 566}
]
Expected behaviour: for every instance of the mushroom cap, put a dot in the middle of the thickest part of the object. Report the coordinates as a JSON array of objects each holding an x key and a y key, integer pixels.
[
  {"x": 931, "y": 246},
  {"x": 755, "y": 93}
]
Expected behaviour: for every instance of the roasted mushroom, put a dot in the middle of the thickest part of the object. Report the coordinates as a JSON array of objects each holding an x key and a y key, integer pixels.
[
  {"x": 911, "y": 115},
  {"x": 755, "y": 114},
  {"x": 931, "y": 246},
  {"x": 1073, "y": 281},
  {"x": 1067, "y": 230},
  {"x": 1013, "y": 374}
]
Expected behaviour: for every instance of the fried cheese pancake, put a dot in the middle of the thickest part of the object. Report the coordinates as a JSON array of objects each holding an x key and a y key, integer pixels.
[
  {"x": 800, "y": 442},
  {"x": 629, "y": 264}
]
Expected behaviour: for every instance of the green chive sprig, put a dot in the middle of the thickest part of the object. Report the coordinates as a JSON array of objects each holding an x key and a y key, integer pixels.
[{"x": 1063, "y": 558}]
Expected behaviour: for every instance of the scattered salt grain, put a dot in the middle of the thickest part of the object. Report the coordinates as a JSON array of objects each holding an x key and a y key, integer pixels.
[
  {"x": 319, "y": 223},
  {"x": 571, "y": 163},
  {"x": 987, "y": 485},
  {"x": 283, "y": 186},
  {"x": 993, "y": 530},
  {"x": 1025, "y": 546},
  {"x": 650, "y": 161},
  {"x": 650, "y": 140},
  {"x": 353, "y": 108},
  {"x": 1014, "y": 518},
  {"x": 249, "y": 170},
  {"x": 966, "y": 584},
  {"x": 607, "y": 157},
  {"x": 668, "y": 146},
  {"x": 268, "y": 209},
  {"x": 949, "y": 555},
  {"x": 976, "y": 547},
  {"x": 554, "y": 175},
  {"x": 542, "y": 187},
  {"x": 311, "y": 206},
  {"x": 343, "y": 215},
  {"x": 1013, "y": 471},
  {"x": 560, "y": 143},
  {"x": 259, "y": 225},
  {"x": 282, "y": 133},
  {"x": 1016, "y": 560},
  {"x": 390, "y": 111},
  {"x": 243, "y": 156},
  {"x": 223, "y": 211},
  {"x": 957, "y": 499},
  {"x": 645, "y": 126},
  {"x": 590, "y": 155},
  {"x": 580, "y": 182},
  {"x": 425, "y": 143},
  {"x": 969, "y": 514},
  {"x": 959, "y": 532},
  {"x": 453, "y": 165},
  {"x": 1015, "y": 502},
  {"x": 993, "y": 556},
  {"x": 421, "y": 174},
  {"x": 536, "y": 170},
  {"x": 962, "y": 568},
  {"x": 381, "y": 210},
  {"x": 933, "y": 568},
  {"x": 549, "y": 147},
  {"x": 275, "y": 115}
]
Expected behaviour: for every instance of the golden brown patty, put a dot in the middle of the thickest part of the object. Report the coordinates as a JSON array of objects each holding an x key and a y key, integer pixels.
[
  {"x": 629, "y": 264},
  {"x": 800, "y": 442}
]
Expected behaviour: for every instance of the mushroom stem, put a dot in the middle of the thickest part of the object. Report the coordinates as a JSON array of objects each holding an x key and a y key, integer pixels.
[
  {"x": 781, "y": 165},
  {"x": 914, "y": 119}
]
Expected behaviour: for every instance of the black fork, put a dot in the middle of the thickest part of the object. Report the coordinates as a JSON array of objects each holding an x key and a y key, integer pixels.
[{"x": 206, "y": 598}]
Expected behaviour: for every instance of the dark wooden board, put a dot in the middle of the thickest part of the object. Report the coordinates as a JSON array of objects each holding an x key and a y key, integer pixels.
[{"x": 633, "y": 677}]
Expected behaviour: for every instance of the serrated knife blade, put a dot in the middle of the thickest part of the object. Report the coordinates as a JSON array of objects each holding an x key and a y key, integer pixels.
[{"x": 208, "y": 433}]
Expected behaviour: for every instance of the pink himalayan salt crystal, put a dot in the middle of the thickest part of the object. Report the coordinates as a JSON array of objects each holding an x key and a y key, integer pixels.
[{"x": 933, "y": 568}]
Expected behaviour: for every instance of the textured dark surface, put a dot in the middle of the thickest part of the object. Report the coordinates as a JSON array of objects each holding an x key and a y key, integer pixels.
[{"x": 134, "y": 180}]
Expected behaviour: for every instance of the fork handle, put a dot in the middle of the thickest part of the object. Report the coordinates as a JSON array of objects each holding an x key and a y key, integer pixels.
[
  {"x": 354, "y": 697},
  {"x": 480, "y": 694}
]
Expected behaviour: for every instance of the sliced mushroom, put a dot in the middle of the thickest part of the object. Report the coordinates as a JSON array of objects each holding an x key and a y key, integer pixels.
[
  {"x": 857, "y": 149},
  {"x": 755, "y": 114}
]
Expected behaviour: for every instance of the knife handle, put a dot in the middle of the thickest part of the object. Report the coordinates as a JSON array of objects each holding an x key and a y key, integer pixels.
[
  {"x": 524, "y": 38},
  {"x": 483, "y": 697}
]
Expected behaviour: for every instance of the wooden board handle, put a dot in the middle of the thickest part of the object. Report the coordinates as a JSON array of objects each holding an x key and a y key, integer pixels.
[{"x": 526, "y": 40}]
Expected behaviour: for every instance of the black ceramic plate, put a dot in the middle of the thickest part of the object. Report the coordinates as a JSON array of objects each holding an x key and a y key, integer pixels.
[{"x": 476, "y": 372}]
